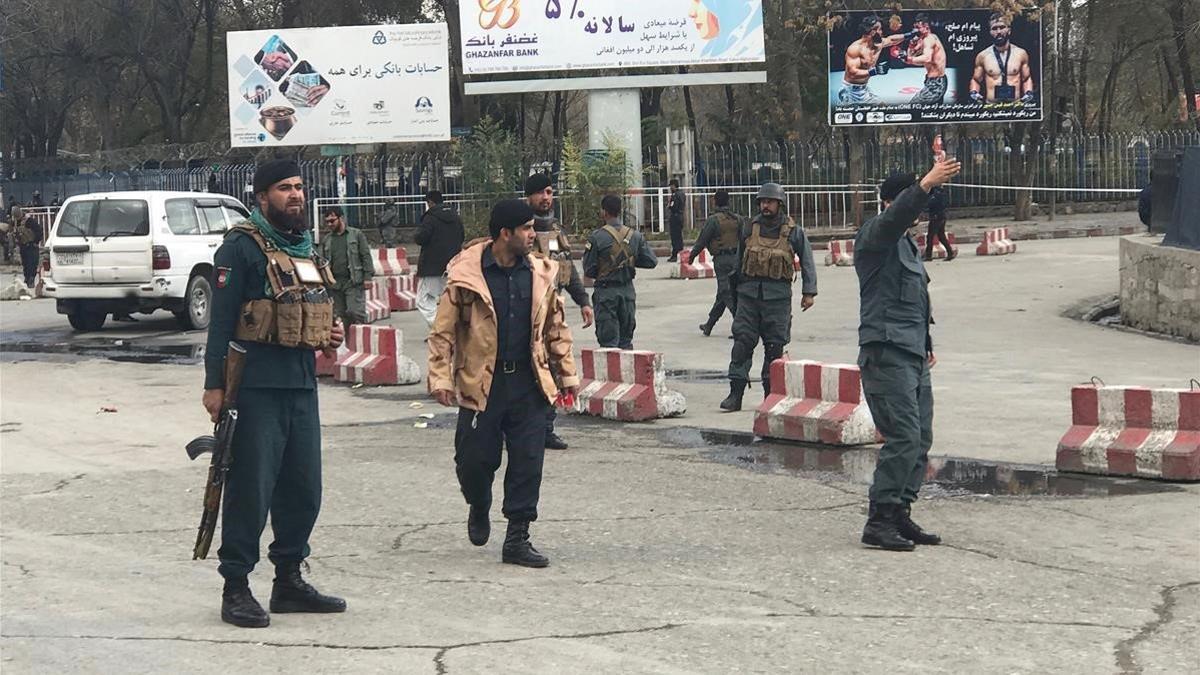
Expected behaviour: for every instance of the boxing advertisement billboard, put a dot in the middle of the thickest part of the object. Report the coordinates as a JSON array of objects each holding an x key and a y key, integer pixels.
[
  {"x": 511, "y": 36},
  {"x": 341, "y": 85},
  {"x": 934, "y": 67}
]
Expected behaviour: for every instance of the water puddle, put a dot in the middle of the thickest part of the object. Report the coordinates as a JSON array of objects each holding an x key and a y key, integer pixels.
[
  {"x": 944, "y": 476},
  {"x": 117, "y": 350}
]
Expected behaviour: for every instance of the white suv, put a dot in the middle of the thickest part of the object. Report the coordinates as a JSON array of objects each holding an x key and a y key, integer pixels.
[{"x": 124, "y": 252}]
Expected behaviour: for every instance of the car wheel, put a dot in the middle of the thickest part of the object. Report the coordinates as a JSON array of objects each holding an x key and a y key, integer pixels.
[
  {"x": 84, "y": 321},
  {"x": 197, "y": 304}
]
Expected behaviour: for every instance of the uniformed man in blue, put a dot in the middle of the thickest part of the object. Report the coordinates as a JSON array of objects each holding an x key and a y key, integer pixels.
[
  {"x": 767, "y": 248},
  {"x": 269, "y": 294},
  {"x": 721, "y": 235},
  {"x": 896, "y": 353},
  {"x": 612, "y": 254}
]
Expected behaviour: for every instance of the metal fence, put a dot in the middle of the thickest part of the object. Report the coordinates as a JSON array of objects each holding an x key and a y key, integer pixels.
[{"x": 1084, "y": 163}]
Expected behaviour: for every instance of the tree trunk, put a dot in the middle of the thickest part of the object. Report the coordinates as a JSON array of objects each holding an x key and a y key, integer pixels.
[
  {"x": 730, "y": 114},
  {"x": 1085, "y": 55},
  {"x": 1179, "y": 28},
  {"x": 1022, "y": 163},
  {"x": 1172, "y": 94}
]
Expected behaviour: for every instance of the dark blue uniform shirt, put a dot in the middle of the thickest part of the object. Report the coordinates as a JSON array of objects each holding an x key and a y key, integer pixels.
[{"x": 512, "y": 296}]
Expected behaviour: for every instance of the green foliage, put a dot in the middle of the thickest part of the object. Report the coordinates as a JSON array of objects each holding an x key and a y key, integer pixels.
[
  {"x": 492, "y": 167},
  {"x": 588, "y": 175}
]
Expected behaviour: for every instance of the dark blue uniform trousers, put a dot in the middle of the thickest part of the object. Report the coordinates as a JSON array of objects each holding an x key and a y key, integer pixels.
[{"x": 900, "y": 396}]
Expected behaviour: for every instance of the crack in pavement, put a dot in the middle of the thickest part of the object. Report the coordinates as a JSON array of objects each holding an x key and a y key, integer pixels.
[
  {"x": 950, "y": 617},
  {"x": 57, "y": 486},
  {"x": 1046, "y": 566},
  {"x": 1164, "y": 613},
  {"x": 399, "y": 540},
  {"x": 25, "y": 571},
  {"x": 441, "y": 649}
]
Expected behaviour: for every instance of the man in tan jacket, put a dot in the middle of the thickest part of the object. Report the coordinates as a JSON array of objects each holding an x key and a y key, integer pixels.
[{"x": 501, "y": 351}]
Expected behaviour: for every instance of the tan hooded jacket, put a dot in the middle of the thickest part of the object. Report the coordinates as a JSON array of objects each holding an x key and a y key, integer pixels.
[{"x": 463, "y": 341}]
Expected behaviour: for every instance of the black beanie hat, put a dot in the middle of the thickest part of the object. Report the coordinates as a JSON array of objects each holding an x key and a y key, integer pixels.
[
  {"x": 274, "y": 171},
  {"x": 536, "y": 183},
  {"x": 509, "y": 214},
  {"x": 894, "y": 185}
]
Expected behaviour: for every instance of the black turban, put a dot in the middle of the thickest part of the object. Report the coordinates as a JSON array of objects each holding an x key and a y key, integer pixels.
[{"x": 274, "y": 171}]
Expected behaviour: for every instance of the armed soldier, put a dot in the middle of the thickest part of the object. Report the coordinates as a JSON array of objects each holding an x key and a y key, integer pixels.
[
  {"x": 763, "y": 288},
  {"x": 552, "y": 243},
  {"x": 610, "y": 257},
  {"x": 269, "y": 294},
  {"x": 896, "y": 354},
  {"x": 720, "y": 235}
]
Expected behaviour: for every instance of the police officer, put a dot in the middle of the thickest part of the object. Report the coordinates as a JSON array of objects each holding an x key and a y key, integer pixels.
[
  {"x": 29, "y": 241},
  {"x": 500, "y": 349},
  {"x": 896, "y": 353},
  {"x": 720, "y": 235},
  {"x": 766, "y": 250},
  {"x": 610, "y": 257},
  {"x": 349, "y": 255},
  {"x": 552, "y": 243},
  {"x": 269, "y": 294}
]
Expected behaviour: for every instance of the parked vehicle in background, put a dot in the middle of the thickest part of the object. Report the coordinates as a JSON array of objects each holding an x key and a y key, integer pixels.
[{"x": 125, "y": 252}]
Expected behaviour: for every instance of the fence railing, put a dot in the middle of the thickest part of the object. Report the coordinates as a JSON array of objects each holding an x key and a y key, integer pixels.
[{"x": 1087, "y": 164}]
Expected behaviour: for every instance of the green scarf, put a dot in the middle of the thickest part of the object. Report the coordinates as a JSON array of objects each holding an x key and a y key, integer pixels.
[{"x": 295, "y": 249}]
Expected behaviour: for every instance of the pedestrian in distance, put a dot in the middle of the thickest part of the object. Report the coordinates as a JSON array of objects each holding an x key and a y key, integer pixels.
[
  {"x": 675, "y": 208},
  {"x": 349, "y": 255},
  {"x": 269, "y": 294},
  {"x": 29, "y": 235},
  {"x": 500, "y": 350},
  {"x": 762, "y": 290},
  {"x": 896, "y": 355},
  {"x": 720, "y": 235},
  {"x": 440, "y": 237},
  {"x": 612, "y": 257},
  {"x": 936, "y": 209},
  {"x": 389, "y": 220}
]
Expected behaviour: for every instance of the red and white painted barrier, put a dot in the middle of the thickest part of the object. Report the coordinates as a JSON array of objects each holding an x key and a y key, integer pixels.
[
  {"x": 390, "y": 262},
  {"x": 378, "y": 307},
  {"x": 401, "y": 293},
  {"x": 701, "y": 268},
  {"x": 625, "y": 385},
  {"x": 1132, "y": 431},
  {"x": 375, "y": 356},
  {"x": 815, "y": 403},
  {"x": 996, "y": 242},
  {"x": 841, "y": 253},
  {"x": 939, "y": 251},
  {"x": 327, "y": 366}
]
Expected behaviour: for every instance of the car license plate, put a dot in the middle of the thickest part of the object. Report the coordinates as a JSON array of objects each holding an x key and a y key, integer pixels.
[{"x": 69, "y": 258}]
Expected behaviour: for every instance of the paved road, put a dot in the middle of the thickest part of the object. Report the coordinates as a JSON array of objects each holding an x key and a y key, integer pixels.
[{"x": 673, "y": 550}]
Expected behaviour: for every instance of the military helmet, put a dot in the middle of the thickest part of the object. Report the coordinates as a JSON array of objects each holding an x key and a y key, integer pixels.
[{"x": 771, "y": 191}]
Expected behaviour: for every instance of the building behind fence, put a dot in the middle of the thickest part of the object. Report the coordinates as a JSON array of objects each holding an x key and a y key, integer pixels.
[{"x": 1085, "y": 164}]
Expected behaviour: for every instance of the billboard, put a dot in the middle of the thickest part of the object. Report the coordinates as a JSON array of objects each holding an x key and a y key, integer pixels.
[
  {"x": 510, "y": 36},
  {"x": 934, "y": 67},
  {"x": 349, "y": 84}
]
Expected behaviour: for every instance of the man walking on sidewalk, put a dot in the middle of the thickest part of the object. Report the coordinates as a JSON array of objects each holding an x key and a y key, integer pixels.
[
  {"x": 720, "y": 235},
  {"x": 440, "y": 238}
]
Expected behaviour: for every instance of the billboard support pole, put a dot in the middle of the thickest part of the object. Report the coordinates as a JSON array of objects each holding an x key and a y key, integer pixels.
[{"x": 616, "y": 114}]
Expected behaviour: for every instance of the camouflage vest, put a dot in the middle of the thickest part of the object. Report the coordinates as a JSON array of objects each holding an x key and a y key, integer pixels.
[
  {"x": 619, "y": 256},
  {"x": 553, "y": 244},
  {"x": 300, "y": 313},
  {"x": 770, "y": 258},
  {"x": 727, "y": 236}
]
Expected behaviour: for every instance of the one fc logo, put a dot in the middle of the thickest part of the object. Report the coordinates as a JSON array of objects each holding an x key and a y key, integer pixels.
[{"x": 498, "y": 13}]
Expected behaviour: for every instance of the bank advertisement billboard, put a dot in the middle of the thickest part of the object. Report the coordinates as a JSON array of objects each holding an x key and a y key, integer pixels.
[
  {"x": 934, "y": 67},
  {"x": 510, "y": 36},
  {"x": 343, "y": 85}
]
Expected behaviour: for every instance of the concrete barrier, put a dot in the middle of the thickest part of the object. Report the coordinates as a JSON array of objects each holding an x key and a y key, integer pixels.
[
  {"x": 1132, "y": 431},
  {"x": 996, "y": 242},
  {"x": 701, "y": 268},
  {"x": 375, "y": 356},
  {"x": 815, "y": 403},
  {"x": 625, "y": 385},
  {"x": 939, "y": 251},
  {"x": 378, "y": 307},
  {"x": 391, "y": 262},
  {"x": 401, "y": 292},
  {"x": 327, "y": 366},
  {"x": 840, "y": 253}
]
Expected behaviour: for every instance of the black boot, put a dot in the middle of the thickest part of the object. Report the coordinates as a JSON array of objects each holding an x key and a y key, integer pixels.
[
  {"x": 733, "y": 402},
  {"x": 910, "y": 530},
  {"x": 706, "y": 328},
  {"x": 881, "y": 529},
  {"x": 555, "y": 442},
  {"x": 239, "y": 607},
  {"x": 479, "y": 528},
  {"x": 517, "y": 549},
  {"x": 291, "y": 593}
]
